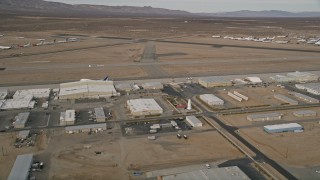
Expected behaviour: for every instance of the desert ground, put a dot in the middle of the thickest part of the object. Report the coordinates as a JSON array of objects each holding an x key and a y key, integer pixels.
[
  {"x": 114, "y": 46},
  {"x": 73, "y": 156}
]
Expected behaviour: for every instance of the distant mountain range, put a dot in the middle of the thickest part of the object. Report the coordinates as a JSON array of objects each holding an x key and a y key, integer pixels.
[
  {"x": 271, "y": 13},
  {"x": 40, "y": 7}
]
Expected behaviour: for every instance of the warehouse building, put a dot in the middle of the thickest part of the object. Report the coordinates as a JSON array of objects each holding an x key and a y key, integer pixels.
[
  {"x": 290, "y": 127},
  {"x": 144, "y": 107},
  {"x": 86, "y": 128},
  {"x": 194, "y": 121},
  {"x": 313, "y": 88},
  {"x": 211, "y": 99},
  {"x": 305, "y": 113},
  {"x": 152, "y": 86},
  {"x": 68, "y": 117},
  {"x": 21, "y": 167},
  {"x": 3, "y": 94},
  {"x": 282, "y": 78},
  {"x": 86, "y": 88},
  {"x": 306, "y": 98},
  {"x": 23, "y": 103},
  {"x": 303, "y": 76},
  {"x": 99, "y": 113},
  {"x": 23, "y": 134},
  {"x": 127, "y": 87},
  {"x": 222, "y": 173},
  {"x": 285, "y": 99},
  {"x": 253, "y": 80},
  {"x": 36, "y": 93},
  {"x": 264, "y": 117},
  {"x": 214, "y": 81},
  {"x": 20, "y": 121}
]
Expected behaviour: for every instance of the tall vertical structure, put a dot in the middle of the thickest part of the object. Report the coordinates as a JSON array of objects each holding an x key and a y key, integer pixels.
[{"x": 189, "y": 105}]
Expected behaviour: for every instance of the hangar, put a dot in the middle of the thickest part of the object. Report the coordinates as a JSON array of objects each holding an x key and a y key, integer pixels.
[
  {"x": 278, "y": 128},
  {"x": 214, "y": 81},
  {"x": 211, "y": 99},
  {"x": 86, "y": 88}
]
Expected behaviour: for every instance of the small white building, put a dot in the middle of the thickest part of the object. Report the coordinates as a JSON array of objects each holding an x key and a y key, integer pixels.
[
  {"x": 144, "y": 107},
  {"x": 68, "y": 117},
  {"x": 211, "y": 99},
  {"x": 193, "y": 121}
]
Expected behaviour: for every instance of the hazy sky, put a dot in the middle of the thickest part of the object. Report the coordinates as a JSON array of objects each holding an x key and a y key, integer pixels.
[{"x": 211, "y": 5}]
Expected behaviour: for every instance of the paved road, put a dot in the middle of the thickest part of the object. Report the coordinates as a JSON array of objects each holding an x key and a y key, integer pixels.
[{"x": 260, "y": 157}]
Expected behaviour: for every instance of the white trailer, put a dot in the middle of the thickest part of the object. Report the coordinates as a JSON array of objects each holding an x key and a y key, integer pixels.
[
  {"x": 235, "y": 97},
  {"x": 241, "y": 95}
]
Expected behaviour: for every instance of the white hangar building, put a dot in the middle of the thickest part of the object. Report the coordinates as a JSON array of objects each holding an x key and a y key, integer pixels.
[{"x": 86, "y": 88}]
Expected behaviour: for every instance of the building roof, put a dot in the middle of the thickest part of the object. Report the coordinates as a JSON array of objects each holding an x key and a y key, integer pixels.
[
  {"x": 224, "y": 173},
  {"x": 99, "y": 113},
  {"x": 211, "y": 98},
  {"x": 36, "y": 93},
  {"x": 70, "y": 115},
  {"x": 22, "y": 118},
  {"x": 283, "y": 126},
  {"x": 152, "y": 85},
  {"x": 193, "y": 120},
  {"x": 124, "y": 87},
  {"x": 254, "y": 79},
  {"x": 21, "y": 167},
  {"x": 304, "y": 112},
  {"x": 26, "y": 102},
  {"x": 285, "y": 99},
  {"x": 211, "y": 79},
  {"x": 24, "y": 133},
  {"x": 89, "y": 126},
  {"x": 305, "y": 97},
  {"x": 264, "y": 115},
  {"x": 141, "y": 105},
  {"x": 3, "y": 94},
  {"x": 299, "y": 74},
  {"x": 87, "y": 88}
]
